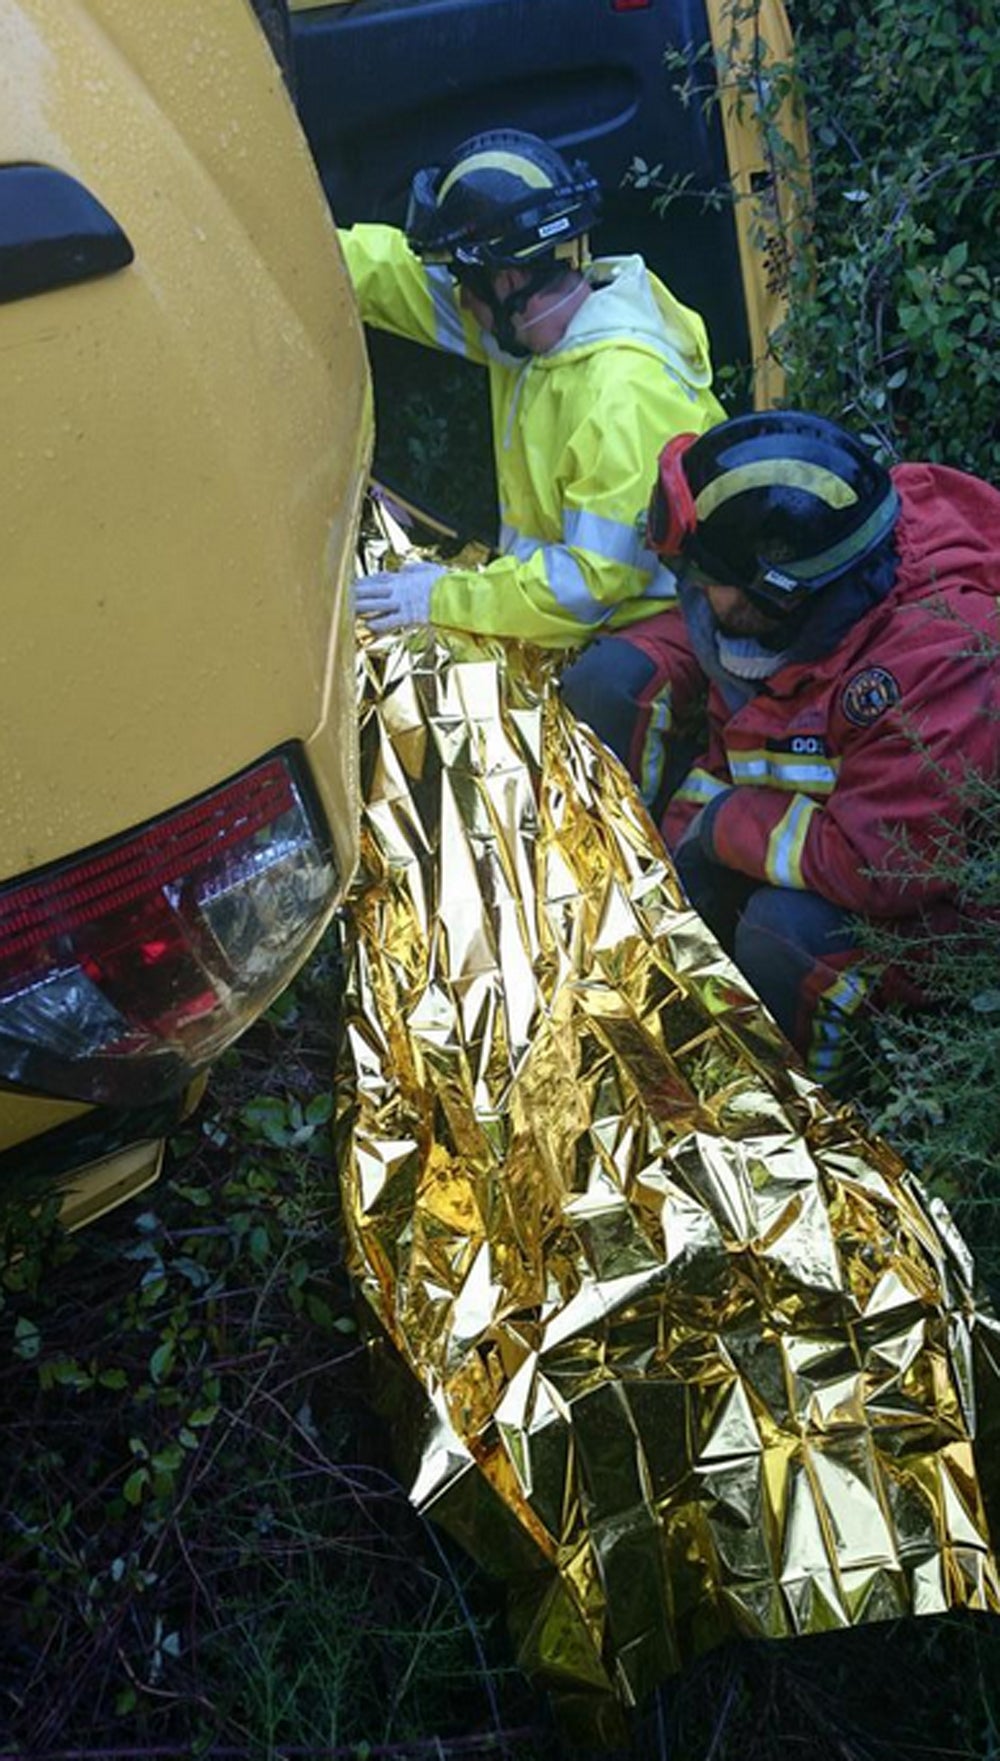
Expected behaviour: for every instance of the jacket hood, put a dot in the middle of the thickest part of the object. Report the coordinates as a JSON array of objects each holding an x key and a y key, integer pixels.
[
  {"x": 629, "y": 305},
  {"x": 948, "y": 531}
]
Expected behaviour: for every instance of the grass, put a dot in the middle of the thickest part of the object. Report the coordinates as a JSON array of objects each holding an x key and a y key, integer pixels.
[{"x": 203, "y": 1548}]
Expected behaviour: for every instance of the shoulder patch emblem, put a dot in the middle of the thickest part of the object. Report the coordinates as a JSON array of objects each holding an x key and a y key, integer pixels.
[{"x": 868, "y": 695}]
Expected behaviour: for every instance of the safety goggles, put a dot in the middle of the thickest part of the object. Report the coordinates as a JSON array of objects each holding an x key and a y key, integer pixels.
[
  {"x": 672, "y": 517},
  {"x": 672, "y": 525},
  {"x": 473, "y": 276},
  {"x": 771, "y": 590},
  {"x": 781, "y": 588}
]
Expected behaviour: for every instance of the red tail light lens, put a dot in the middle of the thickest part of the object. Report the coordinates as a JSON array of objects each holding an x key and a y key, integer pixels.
[{"x": 125, "y": 971}]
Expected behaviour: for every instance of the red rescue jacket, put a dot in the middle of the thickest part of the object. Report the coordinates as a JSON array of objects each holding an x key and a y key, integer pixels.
[{"x": 844, "y": 775}]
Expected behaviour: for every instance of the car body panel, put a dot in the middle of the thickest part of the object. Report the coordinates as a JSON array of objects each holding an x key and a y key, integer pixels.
[
  {"x": 423, "y": 73},
  {"x": 186, "y": 443},
  {"x": 23, "y": 1116},
  {"x": 93, "y": 1190},
  {"x": 88, "y": 1187},
  {"x": 84, "y": 1153}
]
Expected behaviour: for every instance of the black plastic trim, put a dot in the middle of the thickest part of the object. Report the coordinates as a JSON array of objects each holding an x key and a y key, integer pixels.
[
  {"x": 53, "y": 233},
  {"x": 44, "y": 1160}
]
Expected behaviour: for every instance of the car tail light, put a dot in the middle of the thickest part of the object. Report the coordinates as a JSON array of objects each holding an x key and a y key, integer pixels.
[
  {"x": 127, "y": 969},
  {"x": 630, "y": 5}
]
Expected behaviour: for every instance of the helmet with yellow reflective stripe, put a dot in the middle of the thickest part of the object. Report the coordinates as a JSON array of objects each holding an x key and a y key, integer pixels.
[
  {"x": 504, "y": 199},
  {"x": 779, "y": 503}
]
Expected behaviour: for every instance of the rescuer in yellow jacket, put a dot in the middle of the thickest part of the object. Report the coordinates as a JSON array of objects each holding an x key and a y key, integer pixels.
[{"x": 591, "y": 365}]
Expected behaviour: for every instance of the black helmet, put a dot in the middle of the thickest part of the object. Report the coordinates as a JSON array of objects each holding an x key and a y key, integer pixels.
[
  {"x": 503, "y": 200},
  {"x": 779, "y": 503}
]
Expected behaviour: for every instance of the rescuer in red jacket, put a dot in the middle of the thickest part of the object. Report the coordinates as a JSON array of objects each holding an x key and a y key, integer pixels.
[{"x": 847, "y": 619}]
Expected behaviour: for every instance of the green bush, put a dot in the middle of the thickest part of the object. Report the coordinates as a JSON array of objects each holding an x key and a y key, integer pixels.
[
  {"x": 892, "y": 270},
  {"x": 895, "y": 319},
  {"x": 894, "y": 328}
]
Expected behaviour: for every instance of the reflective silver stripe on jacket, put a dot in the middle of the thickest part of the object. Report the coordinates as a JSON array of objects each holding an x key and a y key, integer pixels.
[
  {"x": 568, "y": 584},
  {"x": 514, "y": 543},
  {"x": 612, "y": 540},
  {"x": 565, "y": 579},
  {"x": 785, "y": 770},
  {"x": 786, "y": 844},
  {"x": 663, "y": 584},
  {"x": 447, "y": 316},
  {"x": 617, "y": 541},
  {"x": 700, "y": 785},
  {"x": 564, "y": 576}
]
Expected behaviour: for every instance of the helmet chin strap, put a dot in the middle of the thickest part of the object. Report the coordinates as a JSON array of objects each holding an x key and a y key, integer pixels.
[
  {"x": 503, "y": 327},
  {"x": 505, "y": 311},
  {"x": 556, "y": 306}
]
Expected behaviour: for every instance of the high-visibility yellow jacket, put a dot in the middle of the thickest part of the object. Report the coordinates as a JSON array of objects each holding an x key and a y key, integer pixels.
[{"x": 576, "y": 434}]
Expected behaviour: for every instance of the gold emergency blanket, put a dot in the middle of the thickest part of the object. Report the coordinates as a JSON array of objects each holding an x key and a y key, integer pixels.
[{"x": 686, "y": 1353}]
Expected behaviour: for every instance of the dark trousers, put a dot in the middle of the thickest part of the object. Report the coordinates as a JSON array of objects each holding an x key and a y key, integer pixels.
[
  {"x": 643, "y": 693},
  {"x": 799, "y": 953}
]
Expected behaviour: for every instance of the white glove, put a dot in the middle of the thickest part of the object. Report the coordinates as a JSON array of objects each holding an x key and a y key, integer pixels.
[{"x": 389, "y": 600}]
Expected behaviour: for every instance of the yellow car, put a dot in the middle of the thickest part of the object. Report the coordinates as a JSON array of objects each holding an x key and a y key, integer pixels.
[{"x": 186, "y": 433}]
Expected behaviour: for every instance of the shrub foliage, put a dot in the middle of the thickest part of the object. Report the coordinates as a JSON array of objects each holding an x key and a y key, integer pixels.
[
  {"x": 894, "y": 328},
  {"x": 895, "y": 319}
]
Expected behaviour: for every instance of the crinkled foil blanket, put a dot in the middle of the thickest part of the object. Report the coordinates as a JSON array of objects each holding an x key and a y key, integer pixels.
[{"x": 678, "y": 1349}]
